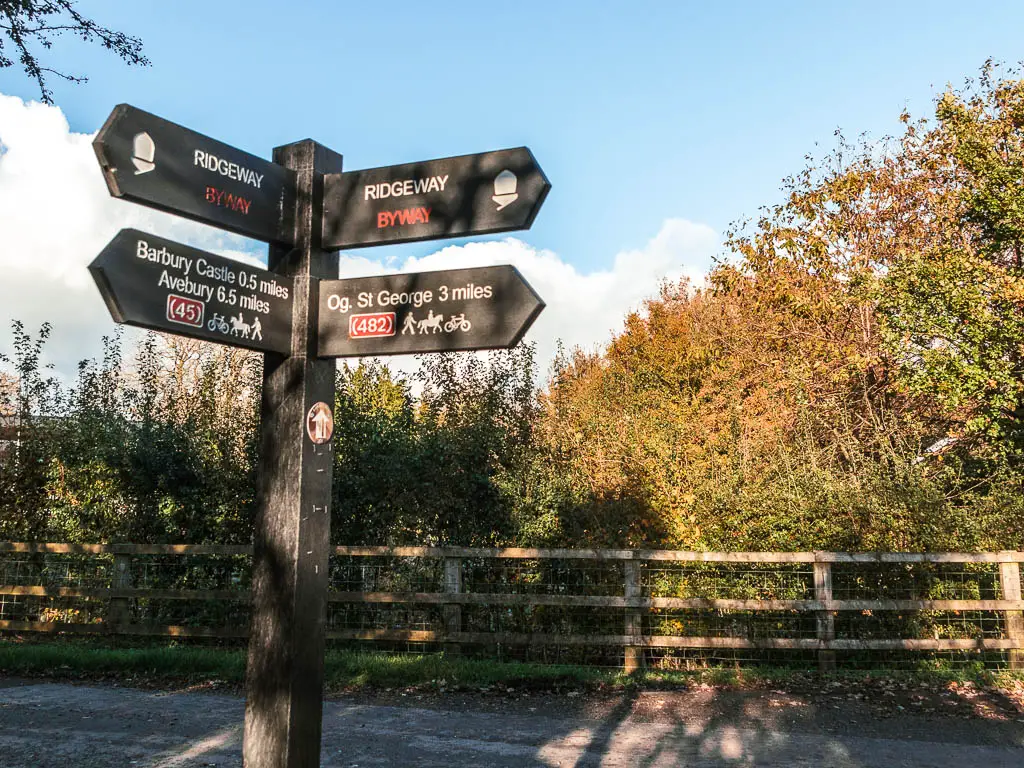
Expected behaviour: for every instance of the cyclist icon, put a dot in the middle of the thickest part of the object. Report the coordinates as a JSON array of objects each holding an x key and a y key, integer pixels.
[
  {"x": 458, "y": 322},
  {"x": 218, "y": 323}
]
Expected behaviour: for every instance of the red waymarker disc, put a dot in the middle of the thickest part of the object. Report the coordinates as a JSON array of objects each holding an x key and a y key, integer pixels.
[{"x": 320, "y": 423}]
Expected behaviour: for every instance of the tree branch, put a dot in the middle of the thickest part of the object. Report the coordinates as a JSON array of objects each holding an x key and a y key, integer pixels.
[{"x": 25, "y": 22}]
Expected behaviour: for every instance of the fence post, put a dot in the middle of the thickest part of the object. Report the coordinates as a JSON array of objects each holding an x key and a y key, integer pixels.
[
  {"x": 118, "y": 611},
  {"x": 634, "y": 654},
  {"x": 1009, "y": 584},
  {"x": 826, "y": 621},
  {"x": 452, "y": 612}
]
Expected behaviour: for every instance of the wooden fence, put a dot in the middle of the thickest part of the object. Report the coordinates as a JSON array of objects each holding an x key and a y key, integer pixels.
[{"x": 641, "y": 592}]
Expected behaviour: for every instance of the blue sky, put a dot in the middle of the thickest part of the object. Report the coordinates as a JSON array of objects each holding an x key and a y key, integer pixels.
[{"x": 640, "y": 113}]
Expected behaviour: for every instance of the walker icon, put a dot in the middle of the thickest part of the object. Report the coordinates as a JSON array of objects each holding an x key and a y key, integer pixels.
[
  {"x": 505, "y": 189},
  {"x": 143, "y": 153}
]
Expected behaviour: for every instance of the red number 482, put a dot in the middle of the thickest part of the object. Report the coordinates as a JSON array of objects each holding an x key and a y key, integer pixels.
[{"x": 371, "y": 325}]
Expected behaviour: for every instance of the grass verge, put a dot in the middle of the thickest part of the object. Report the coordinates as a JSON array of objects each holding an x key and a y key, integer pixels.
[
  {"x": 354, "y": 670},
  {"x": 344, "y": 669}
]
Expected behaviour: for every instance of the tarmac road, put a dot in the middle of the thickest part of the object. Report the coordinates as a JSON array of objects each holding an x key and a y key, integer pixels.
[{"x": 51, "y": 725}]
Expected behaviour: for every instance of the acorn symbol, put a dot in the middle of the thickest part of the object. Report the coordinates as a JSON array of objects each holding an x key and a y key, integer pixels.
[
  {"x": 144, "y": 150},
  {"x": 505, "y": 189}
]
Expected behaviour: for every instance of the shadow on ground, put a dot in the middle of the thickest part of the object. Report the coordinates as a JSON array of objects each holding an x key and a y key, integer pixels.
[{"x": 47, "y": 725}]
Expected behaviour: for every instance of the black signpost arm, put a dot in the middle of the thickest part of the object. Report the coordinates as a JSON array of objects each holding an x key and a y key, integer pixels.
[
  {"x": 302, "y": 197},
  {"x": 284, "y": 678}
]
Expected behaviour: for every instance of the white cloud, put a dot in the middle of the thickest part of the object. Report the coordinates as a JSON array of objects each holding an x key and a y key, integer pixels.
[
  {"x": 582, "y": 309},
  {"x": 56, "y": 216}
]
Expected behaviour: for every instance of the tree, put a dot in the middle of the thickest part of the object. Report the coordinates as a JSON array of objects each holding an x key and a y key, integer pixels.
[
  {"x": 957, "y": 304},
  {"x": 161, "y": 449},
  {"x": 852, "y": 376},
  {"x": 376, "y": 495},
  {"x": 452, "y": 468},
  {"x": 25, "y": 22},
  {"x": 32, "y": 402}
]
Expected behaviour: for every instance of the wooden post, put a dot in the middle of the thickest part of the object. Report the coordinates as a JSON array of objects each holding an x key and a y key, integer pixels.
[
  {"x": 634, "y": 653},
  {"x": 1009, "y": 583},
  {"x": 826, "y": 621},
  {"x": 118, "y": 611},
  {"x": 452, "y": 611},
  {"x": 285, "y": 673}
]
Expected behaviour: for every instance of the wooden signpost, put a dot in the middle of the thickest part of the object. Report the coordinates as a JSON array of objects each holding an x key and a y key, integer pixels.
[{"x": 301, "y": 317}]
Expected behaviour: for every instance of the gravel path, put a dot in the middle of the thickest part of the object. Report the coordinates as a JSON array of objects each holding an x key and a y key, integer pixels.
[{"x": 51, "y": 725}]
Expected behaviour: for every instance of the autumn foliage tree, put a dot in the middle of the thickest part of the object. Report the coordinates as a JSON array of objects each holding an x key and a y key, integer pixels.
[{"x": 850, "y": 375}]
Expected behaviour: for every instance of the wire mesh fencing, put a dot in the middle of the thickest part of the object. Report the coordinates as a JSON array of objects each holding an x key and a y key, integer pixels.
[{"x": 614, "y": 608}]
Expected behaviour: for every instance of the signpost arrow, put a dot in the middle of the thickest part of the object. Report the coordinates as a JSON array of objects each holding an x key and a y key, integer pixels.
[
  {"x": 458, "y": 309},
  {"x": 455, "y": 196},
  {"x": 149, "y": 160},
  {"x": 155, "y": 283}
]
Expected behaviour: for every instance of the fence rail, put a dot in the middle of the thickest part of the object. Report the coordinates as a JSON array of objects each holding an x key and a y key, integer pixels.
[{"x": 627, "y": 600}]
